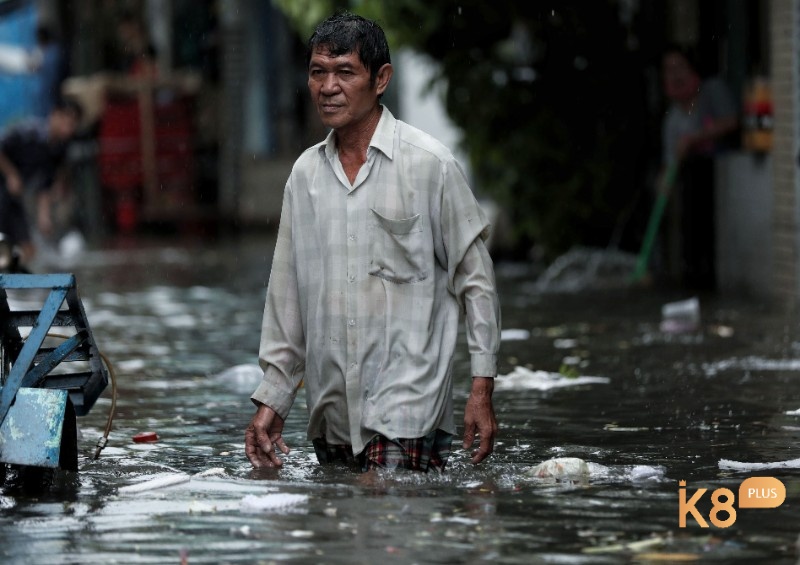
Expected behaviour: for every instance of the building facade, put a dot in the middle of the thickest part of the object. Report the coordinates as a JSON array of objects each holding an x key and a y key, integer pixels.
[{"x": 254, "y": 117}]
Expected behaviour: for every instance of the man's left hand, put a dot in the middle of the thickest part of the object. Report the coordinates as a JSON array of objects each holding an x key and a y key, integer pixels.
[{"x": 479, "y": 418}]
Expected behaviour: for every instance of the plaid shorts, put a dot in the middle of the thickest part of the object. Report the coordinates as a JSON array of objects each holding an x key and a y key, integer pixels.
[{"x": 416, "y": 454}]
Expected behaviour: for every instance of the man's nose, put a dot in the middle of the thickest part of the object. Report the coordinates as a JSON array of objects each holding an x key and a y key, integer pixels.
[{"x": 330, "y": 84}]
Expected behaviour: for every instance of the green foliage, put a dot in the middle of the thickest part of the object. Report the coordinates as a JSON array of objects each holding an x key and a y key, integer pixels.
[
  {"x": 549, "y": 97},
  {"x": 306, "y": 14}
]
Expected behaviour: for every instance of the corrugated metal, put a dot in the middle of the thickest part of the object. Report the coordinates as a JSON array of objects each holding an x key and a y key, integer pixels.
[
  {"x": 784, "y": 20},
  {"x": 794, "y": 157}
]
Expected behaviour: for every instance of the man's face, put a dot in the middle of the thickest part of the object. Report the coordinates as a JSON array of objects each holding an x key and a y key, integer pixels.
[{"x": 340, "y": 87}]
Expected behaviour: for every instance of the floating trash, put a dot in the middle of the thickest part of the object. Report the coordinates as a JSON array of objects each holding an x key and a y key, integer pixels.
[
  {"x": 514, "y": 335},
  {"x": 680, "y": 317},
  {"x": 145, "y": 437},
  {"x": 629, "y": 547},
  {"x": 575, "y": 469},
  {"x": 730, "y": 465},
  {"x": 156, "y": 483},
  {"x": 267, "y": 502},
  {"x": 526, "y": 379},
  {"x": 560, "y": 468},
  {"x": 751, "y": 363}
]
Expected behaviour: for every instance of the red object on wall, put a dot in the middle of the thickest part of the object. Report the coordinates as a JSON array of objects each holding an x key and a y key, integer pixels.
[
  {"x": 120, "y": 157},
  {"x": 122, "y": 163}
]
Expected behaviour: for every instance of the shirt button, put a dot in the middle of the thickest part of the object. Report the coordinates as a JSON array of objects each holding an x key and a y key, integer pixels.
[
  {"x": 352, "y": 278},
  {"x": 351, "y": 322},
  {"x": 351, "y": 237}
]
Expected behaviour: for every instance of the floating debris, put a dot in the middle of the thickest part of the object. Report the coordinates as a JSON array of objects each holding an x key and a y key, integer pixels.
[
  {"x": 633, "y": 546},
  {"x": 514, "y": 335},
  {"x": 560, "y": 468},
  {"x": 680, "y": 317},
  {"x": 145, "y": 437},
  {"x": 156, "y": 483},
  {"x": 751, "y": 363},
  {"x": 575, "y": 469},
  {"x": 522, "y": 378},
  {"x": 268, "y": 502},
  {"x": 730, "y": 465}
]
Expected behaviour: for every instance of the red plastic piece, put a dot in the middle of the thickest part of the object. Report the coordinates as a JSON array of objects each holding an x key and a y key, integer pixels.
[{"x": 145, "y": 437}]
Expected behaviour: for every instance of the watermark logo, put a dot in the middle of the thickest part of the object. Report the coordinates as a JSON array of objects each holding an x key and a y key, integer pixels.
[{"x": 755, "y": 492}]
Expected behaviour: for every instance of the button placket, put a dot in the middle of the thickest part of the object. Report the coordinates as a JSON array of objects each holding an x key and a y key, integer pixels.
[{"x": 352, "y": 380}]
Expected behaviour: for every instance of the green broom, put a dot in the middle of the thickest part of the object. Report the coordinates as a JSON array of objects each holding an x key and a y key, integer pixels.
[{"x": 654, "y": 222}]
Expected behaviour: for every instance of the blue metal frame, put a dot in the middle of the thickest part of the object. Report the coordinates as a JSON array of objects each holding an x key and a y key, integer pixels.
[{"x": 31, "y": 365}]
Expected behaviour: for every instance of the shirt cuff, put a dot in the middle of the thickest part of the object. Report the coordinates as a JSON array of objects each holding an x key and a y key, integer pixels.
[
  {"x": 270, "y": 392},
  {"x": 483, "y": 365}
]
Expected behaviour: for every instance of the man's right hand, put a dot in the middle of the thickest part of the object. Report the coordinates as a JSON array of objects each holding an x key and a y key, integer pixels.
[{"x": 263, "y": 439}]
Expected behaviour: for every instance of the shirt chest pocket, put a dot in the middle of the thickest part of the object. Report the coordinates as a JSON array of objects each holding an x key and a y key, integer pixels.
[{"x": 397, "y": 249}]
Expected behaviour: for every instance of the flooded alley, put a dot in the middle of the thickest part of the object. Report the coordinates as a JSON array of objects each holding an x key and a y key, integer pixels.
[{"x": 180, "y": 324}]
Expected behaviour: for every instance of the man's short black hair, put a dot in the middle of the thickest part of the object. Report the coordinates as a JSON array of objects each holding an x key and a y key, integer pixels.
[{"x": 346, "y": 33}]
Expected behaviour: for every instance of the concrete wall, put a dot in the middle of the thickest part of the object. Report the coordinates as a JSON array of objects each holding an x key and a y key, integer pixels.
[
  {"x": 261, "y": 195},
  {"x": 744, "y": 215}
]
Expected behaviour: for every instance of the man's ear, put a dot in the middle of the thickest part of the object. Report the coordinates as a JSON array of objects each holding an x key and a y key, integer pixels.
[{"x": 383, "y": 77}]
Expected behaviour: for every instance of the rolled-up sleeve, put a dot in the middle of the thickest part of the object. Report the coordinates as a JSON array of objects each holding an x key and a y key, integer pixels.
[
  {"x": 282, "y": 348},
  {"x": 470, "y": 270},
  {"x": 474, "y": 281}
]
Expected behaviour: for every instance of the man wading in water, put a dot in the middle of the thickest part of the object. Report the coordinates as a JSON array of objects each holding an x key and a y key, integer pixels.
[{"x": 380, "y": 248}]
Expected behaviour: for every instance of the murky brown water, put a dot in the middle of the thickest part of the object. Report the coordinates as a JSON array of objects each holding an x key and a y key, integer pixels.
[{"x": 676, "y": 406}]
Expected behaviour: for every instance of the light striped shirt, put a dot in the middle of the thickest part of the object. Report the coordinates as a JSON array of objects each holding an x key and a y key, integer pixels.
[{"x": 367, "y": 286}]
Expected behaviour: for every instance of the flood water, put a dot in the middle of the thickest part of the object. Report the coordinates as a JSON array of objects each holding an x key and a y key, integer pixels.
[{"x": 696, "y": 406}]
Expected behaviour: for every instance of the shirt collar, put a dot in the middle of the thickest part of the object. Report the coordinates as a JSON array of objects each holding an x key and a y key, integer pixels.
[{"x": 382, "y": 139}]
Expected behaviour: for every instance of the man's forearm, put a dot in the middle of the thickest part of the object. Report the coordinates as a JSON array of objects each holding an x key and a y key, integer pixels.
[{"x": 482, "y": 387}]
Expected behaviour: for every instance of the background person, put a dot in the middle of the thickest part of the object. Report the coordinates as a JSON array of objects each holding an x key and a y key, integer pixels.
[
  {"x": 380, "y": 247},
  {"x": 700, "y": 122},
  {"x": 138, "y": 55},
  {"x": 32, "y": 165}
]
